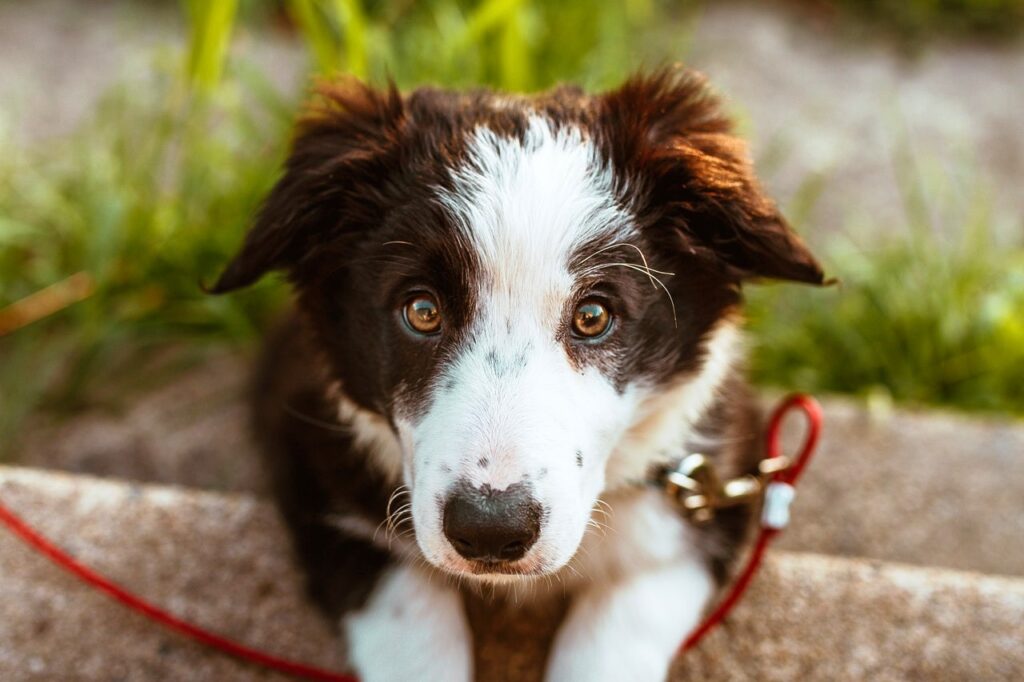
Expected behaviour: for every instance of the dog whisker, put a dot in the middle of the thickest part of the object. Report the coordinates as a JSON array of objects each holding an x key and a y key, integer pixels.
[
  {"x": 609, "y": 247},
  {"x": 313, "y": 421},
  {"x": 661, "y": 284},
  {"x": 639, "y": 268},
  {"x": 646, "y": 266},
  {"x": 390, "y": 516},
  {"x": 575, "y": 571},
  {"x": 604, "y": 509}
]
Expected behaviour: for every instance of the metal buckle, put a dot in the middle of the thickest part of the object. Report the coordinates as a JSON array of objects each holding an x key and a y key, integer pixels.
[{"x": 698, "y": 492}]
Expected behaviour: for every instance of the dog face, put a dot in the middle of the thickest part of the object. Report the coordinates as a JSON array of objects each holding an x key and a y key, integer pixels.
[{"x": 534, "y": 298}]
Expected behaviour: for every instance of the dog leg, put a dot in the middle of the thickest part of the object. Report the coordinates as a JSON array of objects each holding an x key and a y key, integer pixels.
[
  {"x": 412, "y": 628},
  {"x": 630, "y": 630}
]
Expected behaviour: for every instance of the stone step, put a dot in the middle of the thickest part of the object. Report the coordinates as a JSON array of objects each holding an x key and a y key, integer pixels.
[
  {"x": 222, "y": 560},
  {"x": 923, "y": 487}
]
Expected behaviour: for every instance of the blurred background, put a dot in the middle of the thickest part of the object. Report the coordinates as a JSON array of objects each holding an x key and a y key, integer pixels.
[{"x": 137, "y": 139}]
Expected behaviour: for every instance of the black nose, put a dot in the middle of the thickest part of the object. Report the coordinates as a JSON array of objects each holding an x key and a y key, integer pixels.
[{"x": 492, "y": 525}]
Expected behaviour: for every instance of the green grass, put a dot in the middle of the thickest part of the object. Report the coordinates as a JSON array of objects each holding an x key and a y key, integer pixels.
[
  {"x": 511, "y": 44},
  {"x": 149, "y": 195},
  {"x": 929, "y": 312}
]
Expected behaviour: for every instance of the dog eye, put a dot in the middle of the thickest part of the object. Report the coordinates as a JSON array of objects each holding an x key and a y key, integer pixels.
[
  {"x": 591, "y": 319},
  {"x": 422, "y": 314}
]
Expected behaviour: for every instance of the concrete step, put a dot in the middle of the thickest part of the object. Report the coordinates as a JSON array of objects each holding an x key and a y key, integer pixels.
[
  {"x": 922, "y": 487},
  {"x": 222, "y": 560},
  {"x": 215, "y": 559}
]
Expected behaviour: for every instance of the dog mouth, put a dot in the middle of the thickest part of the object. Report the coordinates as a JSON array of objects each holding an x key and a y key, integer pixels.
[
  {"x": 494, "y": 570},
  {"x": 505, "y": 568}
]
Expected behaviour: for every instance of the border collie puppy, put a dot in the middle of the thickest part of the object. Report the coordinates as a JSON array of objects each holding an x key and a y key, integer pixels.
[{"x": 511, "y": 308}]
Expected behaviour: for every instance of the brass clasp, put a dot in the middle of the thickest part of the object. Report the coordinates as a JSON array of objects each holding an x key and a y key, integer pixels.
[{"x": 697, "y": 490}]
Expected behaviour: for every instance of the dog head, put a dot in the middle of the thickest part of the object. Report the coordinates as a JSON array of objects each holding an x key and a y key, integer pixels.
[{"x": 524, "y": 300}]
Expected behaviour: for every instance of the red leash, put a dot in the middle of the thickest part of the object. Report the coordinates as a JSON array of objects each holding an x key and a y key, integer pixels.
[
  {"x": 168, "y": 620},
  {"x": 775, "y": 512},
  {"x": 773, "y": 519}
]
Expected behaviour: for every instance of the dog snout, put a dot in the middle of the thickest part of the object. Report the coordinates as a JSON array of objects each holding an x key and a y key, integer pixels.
[{"x": 492, "y": 525}]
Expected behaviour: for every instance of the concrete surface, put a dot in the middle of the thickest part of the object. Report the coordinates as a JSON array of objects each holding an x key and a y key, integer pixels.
[
  {"x": 59, "y": 57},
  {"x": 191, "y": 430},
  {"x": 932, "y": 488},
  {"x": 218, "y": 560},
  {"x": 853, "y": 112},
  {"x": 923, "y": 487},
  {"x": 221, "y": 560},
  {"x": 811, "y": 617}
]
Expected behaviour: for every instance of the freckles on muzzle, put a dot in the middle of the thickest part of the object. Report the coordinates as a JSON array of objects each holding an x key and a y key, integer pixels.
[{"x": 492, "y": 526}]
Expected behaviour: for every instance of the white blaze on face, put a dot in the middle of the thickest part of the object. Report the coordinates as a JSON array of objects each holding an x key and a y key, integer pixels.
[{"x": 511, "y": 406}]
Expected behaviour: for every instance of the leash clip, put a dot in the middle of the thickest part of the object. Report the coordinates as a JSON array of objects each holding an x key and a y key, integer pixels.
[{"x": 698, "y": 492}]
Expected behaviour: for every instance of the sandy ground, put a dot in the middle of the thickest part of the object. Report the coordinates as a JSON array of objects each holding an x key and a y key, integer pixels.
[{"x": 815, "y": 105}]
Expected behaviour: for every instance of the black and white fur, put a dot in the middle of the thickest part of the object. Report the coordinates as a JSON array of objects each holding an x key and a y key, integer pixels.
[{"x": 509, "y": 211}]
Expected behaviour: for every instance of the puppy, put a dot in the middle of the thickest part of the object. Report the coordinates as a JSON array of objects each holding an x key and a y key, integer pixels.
[{"x": 509, "y": 309}]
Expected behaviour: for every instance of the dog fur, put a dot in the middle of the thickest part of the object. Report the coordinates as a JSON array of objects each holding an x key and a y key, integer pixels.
[{"x": 509, "y": 211}]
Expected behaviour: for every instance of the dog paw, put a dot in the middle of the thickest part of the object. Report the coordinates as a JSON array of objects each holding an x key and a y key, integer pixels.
[
  {"x": 410, "y": 629},
  {"x": 630, "y": 630}
]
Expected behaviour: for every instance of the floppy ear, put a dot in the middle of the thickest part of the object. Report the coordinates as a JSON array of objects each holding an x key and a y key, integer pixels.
[
  {"x": 697, "y": 177},
  {"x": 339, "y": 145}
]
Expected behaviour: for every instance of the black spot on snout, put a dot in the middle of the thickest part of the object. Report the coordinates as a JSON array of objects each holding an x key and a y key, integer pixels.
[
  {"x": 483, "y": 462},
  {"x": 505, "y": 365},
  {"x": 492, "y": 359},
  {"x": 522, "y": 355},
  {"x": 579, "y": 458}
]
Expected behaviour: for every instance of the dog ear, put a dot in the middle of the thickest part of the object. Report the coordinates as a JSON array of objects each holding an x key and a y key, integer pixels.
[
  {"x": 339, "y": 149},
  {"x": 669, "y": 131}
]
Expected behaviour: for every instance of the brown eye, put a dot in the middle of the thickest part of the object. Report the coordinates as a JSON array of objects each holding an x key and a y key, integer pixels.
[
  {"x": 422, "y": 314},
  {"x": 591, "y": 319}
]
